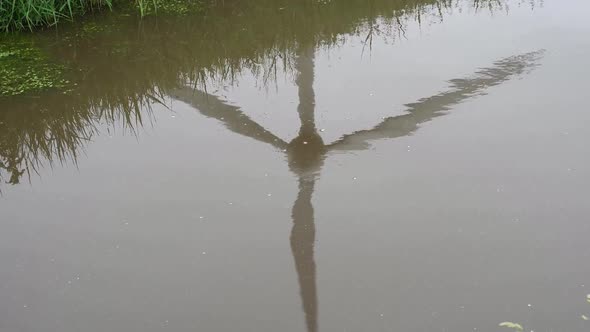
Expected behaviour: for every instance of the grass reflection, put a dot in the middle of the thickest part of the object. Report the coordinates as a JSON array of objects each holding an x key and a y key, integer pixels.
[{"x": 117, "y": 66}]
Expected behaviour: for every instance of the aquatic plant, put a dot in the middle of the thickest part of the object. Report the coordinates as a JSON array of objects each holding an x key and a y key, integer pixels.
[
  {"x": 176, "y": 7},
  {"x": 30, "y": 14},
  {"x": 23, "y": 68},
  {"x": 513, "y": 326},
  {"x": 516, "y": 327},
  {"x": 27, "y": 14},
  {"x": 585, "y": 317}
]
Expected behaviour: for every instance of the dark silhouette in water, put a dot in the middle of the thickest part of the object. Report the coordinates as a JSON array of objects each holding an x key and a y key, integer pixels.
[{"x": 307, "y": 151}]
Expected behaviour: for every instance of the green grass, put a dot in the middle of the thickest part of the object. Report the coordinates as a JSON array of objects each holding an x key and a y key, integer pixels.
[
  {"x": 29, "y": 14},
  {"x": 16, "y": 15}
]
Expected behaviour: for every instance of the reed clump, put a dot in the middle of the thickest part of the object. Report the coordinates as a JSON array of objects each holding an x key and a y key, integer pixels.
[{"x": 16, "y": 15}]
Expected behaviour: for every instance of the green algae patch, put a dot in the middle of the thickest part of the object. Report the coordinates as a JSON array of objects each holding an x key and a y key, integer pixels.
[
  {"x": 173, "y": 7},
  {"x": 25, "y": 69}
]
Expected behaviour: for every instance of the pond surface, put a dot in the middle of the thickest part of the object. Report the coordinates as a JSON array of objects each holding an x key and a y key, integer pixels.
[{"x": 303, "y": 166}]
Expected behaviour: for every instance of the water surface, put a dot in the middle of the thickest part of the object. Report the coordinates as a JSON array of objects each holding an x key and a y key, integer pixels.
[{"x": 303, "y": 166}]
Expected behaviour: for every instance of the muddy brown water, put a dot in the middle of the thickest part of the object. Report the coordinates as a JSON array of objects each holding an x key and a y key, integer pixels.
[{"x": 303, "y": 166}]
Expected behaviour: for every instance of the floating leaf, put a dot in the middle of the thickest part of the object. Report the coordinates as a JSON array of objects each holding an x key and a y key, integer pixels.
[
  {"x": 514, "y": 326},
  {"x": 584, "y": 317}
]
